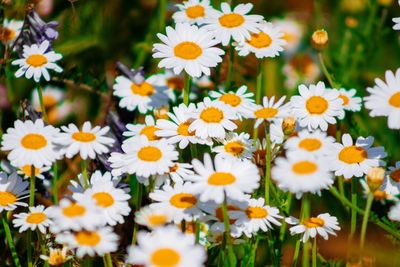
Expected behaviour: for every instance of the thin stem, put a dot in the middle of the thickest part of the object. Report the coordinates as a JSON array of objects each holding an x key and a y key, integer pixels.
[
  {"x": 40, "y": 95},
  {"x": 365, "y": 219},
  {"x": 42, "y": 246},
  {"x": 296, "y": 253},
  {"x": 161, "y": 15},
  {"x": 54, "y": 183},
  {"x": 231, "y": 254},
  {"x": 84, "y": 167},
  {"x": 32, "y": 187},
  {"x": 10, "y": 241},
  {"x": 314, "y": 253},
  {"x": 186, "y": 89},
  {"x": 230, "y": 66},
  {"x": 353, "y": 222},
  {"x": 258, "y": 92},
  {"x": 138, "y": 203},
  {"x": 267, "y": 165},
  {"x": 29, "y": 247},
  {"x": 305, "y": 214},
  {"x": 197, "y": 225},
  {"x": 325, "y": 71},
  {"x": 108, "y": 260}
]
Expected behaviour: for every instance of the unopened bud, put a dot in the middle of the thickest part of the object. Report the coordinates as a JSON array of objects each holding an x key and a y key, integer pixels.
[
  {"x": 161, "y": 113},
  {"x": 319, "y": 39},
  {"x": 289, "y": 125},
  {"x": 375, "y": 178}
]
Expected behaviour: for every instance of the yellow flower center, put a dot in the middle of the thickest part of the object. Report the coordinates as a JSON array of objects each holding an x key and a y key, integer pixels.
[
  {"x": 33, "y": 141},
  {"x": 165, "y": 257},
  {"x": 183, "y": 129},
  {"x": 103, "y": 199},
  {"x": 353, "y": 154},
  {"x": 231, "y": 99},
  {"x": 266, "y": 113},
  {"x": 394, "y": 100},
  {"x": 256, "y": 212},
  {"x": 7, "y": 34},
  {"x": 149, "y": 132},
  {"x": 212, "y": 115},
  {"x": 36, "y": 60},
  {"x": 304, "y": 167},
  {"x": 49, "y": 101},
  {"x": 149, "y": 153},
  {"x": 231, "y": 20},
  {"x": 395, "y": 175},
  {"x": 86, "y": 238},
  {"x": 74, "y": 210},
  {"x": 221, "y": 179},
  {"x": 220, "y": 215},
  {"x": 310, "y": 144},
  {"x": 143, "y": 89},
  {"x": 289, "y": 37},
  {"x": 84, "y": 137},
  {"x": 195, "y": 12},
  {"x": 313, "y": 222},
  {"x": 36, "y": 218},
  {"x": 345, "y": 99},
  {"x": 56, "y": 257},
  {"x": 316, "y": 105},
  {"x": 183, "y": 200},
  {"x": 27, "y": 170},
  {"x": 260, "y": 40},
  {"x": 7, "y": 198},
  {"x": 157, "y": 219},
  {"x": 235, "y": 148},
  {"x": 380, "y": 195},
  {"x": 188, "y": 50}
]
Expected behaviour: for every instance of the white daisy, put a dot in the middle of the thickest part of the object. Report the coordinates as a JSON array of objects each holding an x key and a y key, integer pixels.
[
  {"x": 392, "y": 179},
  {"x": 349, "y": 159},
  {"x": 394, "y": 213},
  {"x": 52, "y": 96},
  {"x": 350, "y": 101},
  {"x": 36, "y": 62},
  {"x": 30, "y": 143},
  {"x": 96, "y": 178},
  {"x": 302, "y": 172},
  {"x": 381, "y": 194},
  {"x": 166, "y": 247},
  {"x": 69, "y": 215},
  {"x": 276, "y": 133},
  {"x": 179, "y": 199},
  {"x": 173, "y": 82},
  {"x": 235, "y": 24},
  {"x": 56, "y": 256},
  {"x": 211, "y": 119},
  {"x": 12, "y": 190},
  {"x": 94, "y": 242},
  {"x": 10, "y": 30},
  {"x": 26, "y": 171},
  {"x": 177, "y": 130},
  {"x": 153, "y": 217},
  {"x": 36, "y": 218},
  {"x": 148, "y": 129},
  {"x": 143, "y": 157},
  {"x": 192, "y": 11},
  {"x": 323, "y": 225},
  {"x": 315, "y": 107},
  {"x": 239, "y": 101},
  {"x": 177, "y": 173},
  {"x": 270, "y": 110},
  {"x": 256, "y": 216},
  {"x": 230, "y": 177},
  {"x": 268, "y": 42},
  {"x": 236, "y": 146},
  {"x": 188, "y": 48},
  {"x": 292, "y": 32},
  {"x": 317, "y": 143},
  {"x": 384, "y": 99}
]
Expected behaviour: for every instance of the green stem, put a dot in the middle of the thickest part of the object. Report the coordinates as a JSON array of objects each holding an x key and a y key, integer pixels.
[
  {"x": 314, "y": 253},
  {"x": 138, "y": 204},
  {"x": 267, "y": 166},
  {"x": 32, "y": 187},
  {"x": 325, "y": 71},
  {"x": 305, "y": 214},
  {"x": 197, "y": 225},
  {"x": 84, "y": 167},
  {"x": 230, "y": 66},
  {"x": 161, "y": 15},
  {"x": 29, "y": 247},
  {"x": 231, "y": 254},
  {"x": 10, "y": 241},
  {"x": 108, "y": 260},
  {"x": 353, "y": 222},
  {"x": 370, "y": 198},
  {"x": 287, "y": 212},
  {"x": 54, "y": 183},
  {"x": 258, "y": 92},
  {"x": 296, "y": 253},
  {"x": 186, "y": 89},
  {"x": 42, "y": 246},
  {"x": 40, "y": 95}
]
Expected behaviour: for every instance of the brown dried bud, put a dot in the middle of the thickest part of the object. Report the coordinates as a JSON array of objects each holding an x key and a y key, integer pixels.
[{"x": 319, "y": 39}]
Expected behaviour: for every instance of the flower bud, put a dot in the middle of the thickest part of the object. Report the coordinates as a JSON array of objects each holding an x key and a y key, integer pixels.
[
  {"x": 375, "y": 178},
  {"x": 289, "y": 125},
  {"x": 319, "y": 39},
  {"x": 161, "y": 113}
]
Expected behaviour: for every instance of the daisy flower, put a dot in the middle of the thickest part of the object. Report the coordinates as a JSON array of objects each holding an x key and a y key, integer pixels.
[
  {"x": 94, "y": 242},
  {"x": 188, "y": 48},
  {"x": 235, "y": 24},
  {"x": 292, "y": 32},
  {"x": 166, "y": 246},
  {"x": 381, "y": 194},
  {"x": 211, "y": 119},
  {"x": 270, "y": 110},
  {"x": 88, "y": 142},
  {"x": 96, "y": 178},
  {"x": 392, "y": 179},
  {"x": 26, "y": 171},
  {"x": 315, "y": 107},
  {"x": 256, "y": 216},
  {"x": 111, "y": 200},
  {"x": 355, "y": 159},
  {"x": 384, "y": 99},
  {"x": 323, "y": 225},
  {"x": 148, "y": 129},
  {"x": 350, "y": 101},
  {"x": 177, "y": 130},
  {"x": 174, "y": 83},
  {"x": 276, "y": 133},
  {"x": 30, "y": 143},
  {"x": 141, "y": 96},
  {"x": 12, "y": 190},
  {"x": 230, "y": 177},
  {"x": 143, "y": 157},
  {"x": 10, "y": 30},
  {"x": 317, "y": 143},
  {"x": 52, "y": 96},
  {"x": 153, "y": 217},
  {"x": 36, "y": 62},
  {"x": 394, "y": 213},
  {"x": 56, "y": 256},
  {"x": 69, "y": 215},
  {"x": 268, "y": 42},
  {"x": 236, "y": 145},
  {"x": 179, "y": 199},
  {"x": 192, "y": 12},
  {"x": 302, "y": 172},
  {"x": 239, "y": 101},
  {"x": 36, "y": 218},
  {"x": 177, "y": 173}
]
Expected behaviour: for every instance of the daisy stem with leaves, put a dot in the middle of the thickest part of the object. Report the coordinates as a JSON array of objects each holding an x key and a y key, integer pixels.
[
  {"x": 267, "y": 165},
  {"x": 10, "y": 241},
  {"x": 31, "y": 204},
  {"x": 107, "y": 260},
  {"x": 186, "y": 89},
  {"x": 353, "y": 222},
  {"x": 54, "y": 182},
  {"x": 84, "y": 166},
  {"x": 42, "y": 108},
  {"x": 314, "y": 253},
  {"x": 304, "y": 213},
  {"x": 231, "y": 254},
  {"x": 325, "y": 71},
  {"x": 367, "y": 211},
  {"x": 305, "y": 209}
]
